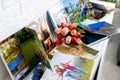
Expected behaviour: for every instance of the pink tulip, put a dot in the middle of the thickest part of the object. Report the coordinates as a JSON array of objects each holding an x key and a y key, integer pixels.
[
  {"x": 58, "y": 30},
  {"x": 68, "y": 39},
  {"x": 65, "y": 31},
  {"x": 78, "y": 41},
  {"x": 79, "y": 35}
]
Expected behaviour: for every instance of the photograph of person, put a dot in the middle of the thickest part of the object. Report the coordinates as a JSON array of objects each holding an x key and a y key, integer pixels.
[
  {"x": 69, "y": 11},
  {"x": 67, "y": 67}
]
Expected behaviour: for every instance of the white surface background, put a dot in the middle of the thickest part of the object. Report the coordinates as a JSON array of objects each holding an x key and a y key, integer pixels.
[{"x": 15, "y": 14}]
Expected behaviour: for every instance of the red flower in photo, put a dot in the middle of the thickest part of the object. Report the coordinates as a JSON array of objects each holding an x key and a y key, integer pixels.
[
  {"x": 72, "y": 27},
  {"x": 58, "y": 42},
  {"x": 63, "y": 25},
  {"x": 79, "y": 35},
  {"x": 68, "y": 34},
  {"x": 59, "y": 36},
  {"x": 74, "y": 38}
]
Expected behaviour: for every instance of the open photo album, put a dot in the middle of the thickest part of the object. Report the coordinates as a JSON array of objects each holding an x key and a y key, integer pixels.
[
  {"x": 70, "y": 12},
  {"x": 43, "y": 31},
  {"x": 23, "y": 52},
  {"x": 25, "y": 57},
  {"x": 69, "y": 67}
]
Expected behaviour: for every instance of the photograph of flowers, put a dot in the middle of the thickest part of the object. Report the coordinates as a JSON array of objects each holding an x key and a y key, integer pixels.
[
  {"x": 67, "y": 67},
  {"x": 68, "y": 13}
]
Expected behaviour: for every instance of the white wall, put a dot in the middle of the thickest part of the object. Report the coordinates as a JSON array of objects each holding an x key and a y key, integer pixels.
[{"x": 15, "y": 14}]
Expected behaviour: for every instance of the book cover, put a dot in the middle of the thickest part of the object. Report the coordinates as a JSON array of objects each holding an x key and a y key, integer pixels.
[
  {"x": 44, "y": 34},
  {"x": 67, "y": 67},
  {"x": 77, "y": 50}
]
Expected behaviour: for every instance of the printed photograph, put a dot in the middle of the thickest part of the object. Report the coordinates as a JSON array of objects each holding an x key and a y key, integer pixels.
[
  {"x": 69, "y": 11},
  {"x": 77, "y": 50},
  {"x": 103, "y": 28},
  {"x": 44, "y": 34},
  {"x": 36, "y": 73},
  {"x": 11, "y": 52},
  {"x": 67, "y": 67},
  {"x": 77, "y": 11},
  {"x": 23, "y": 52},
  {"x": 32, "y": 47}
]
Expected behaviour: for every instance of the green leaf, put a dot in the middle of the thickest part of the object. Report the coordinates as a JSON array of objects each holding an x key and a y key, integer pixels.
[{"x": 80, "y": 30}]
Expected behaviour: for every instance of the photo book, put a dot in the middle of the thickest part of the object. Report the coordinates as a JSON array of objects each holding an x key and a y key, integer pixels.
[
  {"x": 44, "y": 33},
  {"x": 22, "y": 53},
  {"x": 68, "y": 12},
  {"x": 69, "y": 67}
]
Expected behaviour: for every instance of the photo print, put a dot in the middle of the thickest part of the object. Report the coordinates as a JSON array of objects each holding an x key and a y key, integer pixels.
[
  {"x": 14, "y": 58},
  {"x": 67, "y": 67},
  {"x": 44, "y": 34},
  {"x": 67, "y": 11}
]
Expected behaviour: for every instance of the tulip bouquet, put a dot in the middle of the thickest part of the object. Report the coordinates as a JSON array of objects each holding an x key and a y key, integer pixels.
[{"x": 68, "y": 33}]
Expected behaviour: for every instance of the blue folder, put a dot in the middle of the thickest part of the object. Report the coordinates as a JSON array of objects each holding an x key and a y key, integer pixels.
[{"x": 98, "y": 25}]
